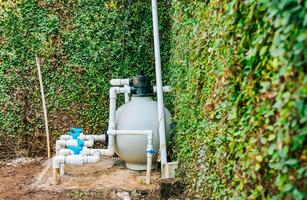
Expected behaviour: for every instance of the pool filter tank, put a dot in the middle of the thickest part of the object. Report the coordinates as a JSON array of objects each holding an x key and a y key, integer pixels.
[
  {"x": 140, "y": 113},
  {"x": 133, "y": 131}
]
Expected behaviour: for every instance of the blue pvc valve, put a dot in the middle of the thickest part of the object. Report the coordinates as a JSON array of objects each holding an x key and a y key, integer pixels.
[
  {"x": 80, "y": 142},
  {"x": 76, "y": 130},
  {"x": 75, "y": 149},
  {"x": 73, "y": 135}
]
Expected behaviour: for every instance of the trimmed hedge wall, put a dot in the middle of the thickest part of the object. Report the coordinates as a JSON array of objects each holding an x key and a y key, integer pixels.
[
  {"x": 81, "y": 45},
  {"x": 240, "y": 98}
]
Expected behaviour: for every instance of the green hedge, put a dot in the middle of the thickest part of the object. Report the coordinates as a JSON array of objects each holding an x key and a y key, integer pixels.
[
  {"x": 81, "y": 45},
  {"x": 240, "y": 105},
  {"x": 236, "y": 68}
]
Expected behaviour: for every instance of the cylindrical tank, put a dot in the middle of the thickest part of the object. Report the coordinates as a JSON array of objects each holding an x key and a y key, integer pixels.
[{"x": 141, "y": 113}]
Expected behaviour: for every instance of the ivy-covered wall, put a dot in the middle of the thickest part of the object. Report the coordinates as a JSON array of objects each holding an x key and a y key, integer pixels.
[
  {"x": 239, "y": 79},
  {"x": 236, "y": 68},
  {"x": 81, "y": 44}
]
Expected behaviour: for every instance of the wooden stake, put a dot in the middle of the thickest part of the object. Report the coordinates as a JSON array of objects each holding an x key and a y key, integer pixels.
[{"x": 44, "y": 105}]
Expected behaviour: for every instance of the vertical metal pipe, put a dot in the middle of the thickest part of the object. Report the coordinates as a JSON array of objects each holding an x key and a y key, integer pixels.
[{"x": 159, "y": 84}]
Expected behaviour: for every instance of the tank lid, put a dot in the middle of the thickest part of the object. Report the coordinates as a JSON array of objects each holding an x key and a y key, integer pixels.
[{"x": 140, "y": 86}]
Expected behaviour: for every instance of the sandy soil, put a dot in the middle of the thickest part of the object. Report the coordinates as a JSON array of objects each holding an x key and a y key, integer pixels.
[
  {"x": 105, "y": 174},
  {"x": 15, "y": 180},
  {"x": 32, "y": 179}
]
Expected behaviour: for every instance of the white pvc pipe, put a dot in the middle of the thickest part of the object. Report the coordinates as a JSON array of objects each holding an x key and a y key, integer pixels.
[
  {"x": 159, "y": 85},
  {"x": 60, "y": 143},
  {"x": 119, "y": 82},
  {"x": 84, "y": 137},
  {"x": 65, "y": 152},
  {"x": 75, "y": 159},
  {"x": 130, "y": 132},
  {"x": 113, "y": 96},
  {"x": 149, "y": 158},
  {"x": 127, "y": 96},
  {"x": 125, "y": 83},
  {"x": 66, "y": 137},
  {"x": 122, "y": 82},
  {"x": 121, "y": 90},
  {"x": 149, "y": 134},
  {"x": 165, "y": 89},
  {"x": 112, "y": 110}
]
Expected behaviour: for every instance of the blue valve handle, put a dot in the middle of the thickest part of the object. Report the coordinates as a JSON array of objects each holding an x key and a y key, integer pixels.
[
  {"x": 76, "y": 130},
  {"x": 151, "y": 151}
]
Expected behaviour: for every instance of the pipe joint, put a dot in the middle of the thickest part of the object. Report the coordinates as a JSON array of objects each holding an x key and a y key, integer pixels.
[
  {"x": 119, "y": 82},
  {"x": 164, "y": 89}
]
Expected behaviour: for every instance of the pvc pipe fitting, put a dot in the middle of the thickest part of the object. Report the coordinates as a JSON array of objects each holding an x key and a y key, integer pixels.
[
  {"x": 127, "y": 96},
  {"x": 164, "y": 89},
  {"x": 130, "y": 132},
  {"x": 65, "y": 137},
  {"x": 149, "y": 148},
  {"x": 89, "y": 143},
  {"x": 65, "y": 152},
  {"x": 119, "y": 82}
]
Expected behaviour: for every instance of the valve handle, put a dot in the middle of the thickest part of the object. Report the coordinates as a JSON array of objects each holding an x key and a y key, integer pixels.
[
  {"x": 76, "y": 130},
  {"x": 151, "y": 151}
]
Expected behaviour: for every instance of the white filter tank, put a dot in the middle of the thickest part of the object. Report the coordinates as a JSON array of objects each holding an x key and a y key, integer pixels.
[{"x": 139, "y": 114}]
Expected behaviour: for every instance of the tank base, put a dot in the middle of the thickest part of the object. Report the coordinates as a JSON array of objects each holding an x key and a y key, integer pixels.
[{"x": 139, "y": 166}]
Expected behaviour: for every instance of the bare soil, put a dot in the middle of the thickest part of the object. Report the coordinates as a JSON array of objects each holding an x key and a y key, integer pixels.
[
  {"x": 16, "y": 179},
  {"x": 32, "y": 179},
  {"x": 105, "y": 174}
]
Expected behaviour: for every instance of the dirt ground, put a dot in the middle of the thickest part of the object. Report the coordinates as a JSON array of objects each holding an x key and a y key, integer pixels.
[
  {"x": 107, "y": 173},
  {"x": 31, "y": 179},
  {"x": 16, "y": 179}
]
